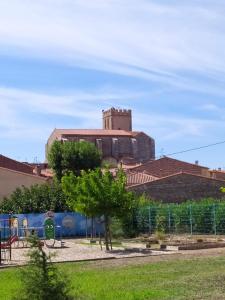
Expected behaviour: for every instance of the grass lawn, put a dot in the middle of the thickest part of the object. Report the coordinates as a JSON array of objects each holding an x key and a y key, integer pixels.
[{"x": 200, "y": 278}]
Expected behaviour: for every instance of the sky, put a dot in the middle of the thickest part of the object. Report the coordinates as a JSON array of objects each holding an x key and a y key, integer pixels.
[{"x": 63, "y": 61}]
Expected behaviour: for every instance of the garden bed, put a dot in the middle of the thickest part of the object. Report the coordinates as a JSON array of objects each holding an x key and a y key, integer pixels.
[{"x": 192, "y": 246}]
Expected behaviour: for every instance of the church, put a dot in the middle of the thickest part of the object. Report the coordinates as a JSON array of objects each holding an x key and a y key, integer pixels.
[{"x": 117, "y": 142}]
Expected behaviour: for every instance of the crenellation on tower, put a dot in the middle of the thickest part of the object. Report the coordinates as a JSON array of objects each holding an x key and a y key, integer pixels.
[{"x": 117, "y": 119}]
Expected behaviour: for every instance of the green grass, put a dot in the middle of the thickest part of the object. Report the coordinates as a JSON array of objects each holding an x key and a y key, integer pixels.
[{"x": 183, "y": 279}]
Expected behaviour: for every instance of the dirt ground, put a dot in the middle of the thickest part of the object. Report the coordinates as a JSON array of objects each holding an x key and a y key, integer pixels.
[
  {"x": 179, "y": 255},
  {"x": 132, "y": 252}
]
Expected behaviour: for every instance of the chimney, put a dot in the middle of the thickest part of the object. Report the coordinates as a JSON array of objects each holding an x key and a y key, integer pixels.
[
  {"x": 196, "y": 162},
  {"x": 37, "y": 170}
]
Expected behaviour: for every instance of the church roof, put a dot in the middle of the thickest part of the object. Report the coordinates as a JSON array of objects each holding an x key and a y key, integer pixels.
[{"x": 94, "y": 132}]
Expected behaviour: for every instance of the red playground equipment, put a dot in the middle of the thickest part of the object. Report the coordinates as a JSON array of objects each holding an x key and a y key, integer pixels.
[
  {"x": 9, "y": 242},
  {"x": 7, "y": 239}
]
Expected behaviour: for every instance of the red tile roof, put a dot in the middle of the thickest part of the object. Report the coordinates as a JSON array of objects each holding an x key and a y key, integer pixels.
[
  {"x": 218, "y": 174},
  {"x": 177, "y": 175},
  {"x": 94, "y": 132},
  {"x": 12, "y": 164},
  {"x": 138, "y": 178},
  {"x": 166, "y": 166}
]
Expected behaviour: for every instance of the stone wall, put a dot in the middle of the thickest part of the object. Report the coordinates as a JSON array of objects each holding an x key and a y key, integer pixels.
[
  {"x": 117, "y": 119},
  {"x": 180, "y": 187}
]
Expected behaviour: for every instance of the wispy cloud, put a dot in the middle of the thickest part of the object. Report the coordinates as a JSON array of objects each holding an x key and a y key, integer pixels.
[
  {"x": 22, "y": 110},
  {"x": 177, "y": 43}
]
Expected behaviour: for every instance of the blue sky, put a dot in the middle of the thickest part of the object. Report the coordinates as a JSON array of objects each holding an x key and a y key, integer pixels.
[{"x": 63, "y": 61}]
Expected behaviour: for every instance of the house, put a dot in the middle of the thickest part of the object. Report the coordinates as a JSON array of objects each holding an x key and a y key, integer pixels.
[
  {"x": 14, "y": 174},
  {"x": 172, "y": 180},
  {"x": 166, "y": 166}
]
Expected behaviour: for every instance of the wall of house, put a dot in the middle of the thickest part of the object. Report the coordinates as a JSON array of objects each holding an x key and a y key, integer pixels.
[
  {"x": 10, "y": 180},
  {"x": 217, "y": 174},
  {"x": 181, "y": 187}
]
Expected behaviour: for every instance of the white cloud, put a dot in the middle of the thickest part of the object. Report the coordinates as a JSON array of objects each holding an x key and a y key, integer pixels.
[
  {"x": 171, "y": 127},
  {"x": 152, "y": 40},
  {"x": 21, "y": 110},
  {"x": 31, "y": 116}
]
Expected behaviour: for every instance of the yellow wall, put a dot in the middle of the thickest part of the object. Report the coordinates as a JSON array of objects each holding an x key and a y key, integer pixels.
[{"x": 10, "y": 180}]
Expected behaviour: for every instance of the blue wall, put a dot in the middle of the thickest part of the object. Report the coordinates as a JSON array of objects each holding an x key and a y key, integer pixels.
[{"x": 69, "y": 224}]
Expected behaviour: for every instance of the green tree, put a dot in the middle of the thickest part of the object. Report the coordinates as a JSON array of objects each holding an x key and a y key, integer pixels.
[
  {"x": 74, "y": 157},
  {"x": 35, "y": 199},
  {"x": 98, "y": 193},
  {"x": 55, "y": 159},
  {"x": 42, "y": 280}
]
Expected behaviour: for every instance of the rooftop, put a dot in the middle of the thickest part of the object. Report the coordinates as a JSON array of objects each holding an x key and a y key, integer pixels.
[
  {"x": 97, "y": 132},
  {"x": 8, "y": 163},
  {"x": 166, "y": 166}
]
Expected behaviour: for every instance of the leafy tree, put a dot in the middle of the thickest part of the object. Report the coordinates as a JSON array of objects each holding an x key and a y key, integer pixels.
[
  {"x": 41, "y": 280},
  {"x": 97, "y": 193},
  {"x": 36, "y": 199},
  {"x": 55, "y": 159},
  {"x": 74, "y": 157},
  {"x": 222, "y": 189}
]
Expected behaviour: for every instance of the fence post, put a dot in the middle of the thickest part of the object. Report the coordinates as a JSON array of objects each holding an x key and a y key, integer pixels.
[
  {"x": 214, "y": 219},
  {"x": 191, "y": 221},
  {"x": 169, "y": 218},
  {"x": 149, "y": 221}
]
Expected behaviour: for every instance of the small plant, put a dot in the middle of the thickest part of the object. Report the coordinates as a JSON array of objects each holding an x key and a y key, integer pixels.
[
  {"x": 41, "y": 279},
  {"x": 161, "y": 223},
  {"x": 160, "y": 235},
  {"x": 148, "y": 245}
]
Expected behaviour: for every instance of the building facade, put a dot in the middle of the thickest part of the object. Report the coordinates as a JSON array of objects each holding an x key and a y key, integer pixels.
[
  {"x": 116, "y": 140},
  {"x": 14, "y": 174}
]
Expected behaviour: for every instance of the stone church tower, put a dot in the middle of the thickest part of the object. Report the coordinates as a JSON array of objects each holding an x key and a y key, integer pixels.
[{"x": 117, "y": 119}]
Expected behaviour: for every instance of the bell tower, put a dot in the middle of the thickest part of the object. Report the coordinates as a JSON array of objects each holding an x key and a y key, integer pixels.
[{"x": 117, "y": 119}]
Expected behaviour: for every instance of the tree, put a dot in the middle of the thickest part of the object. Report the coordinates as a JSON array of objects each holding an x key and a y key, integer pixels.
[
  {"x": 35, "y": 199},
  {"x": 98, "y": 193},
  {"x": 41, "y": 280},
  {"x": 74, "y": 157},
  {"x": 55, "y": 159},
  {"x": 222, "y": 189}
]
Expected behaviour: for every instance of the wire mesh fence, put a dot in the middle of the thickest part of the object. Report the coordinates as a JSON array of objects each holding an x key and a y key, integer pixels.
[{"x": 182, "y": 219}]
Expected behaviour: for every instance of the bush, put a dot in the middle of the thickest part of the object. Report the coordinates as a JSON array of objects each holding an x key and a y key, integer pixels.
[
  {"x": 41, "y": 280},
  {"x": 36, "y": 199}
]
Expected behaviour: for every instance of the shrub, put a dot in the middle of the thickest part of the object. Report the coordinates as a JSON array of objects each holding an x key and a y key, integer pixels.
[{"x": 41, "y": 280}]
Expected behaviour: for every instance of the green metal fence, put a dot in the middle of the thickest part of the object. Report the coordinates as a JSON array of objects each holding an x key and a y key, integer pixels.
[{"x": 178, "y": 219}]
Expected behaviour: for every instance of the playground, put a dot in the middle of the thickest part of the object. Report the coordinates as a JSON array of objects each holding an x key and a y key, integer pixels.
[
  {"x": 56, "y": 234},
  {"x": 70, "y": 237}
]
